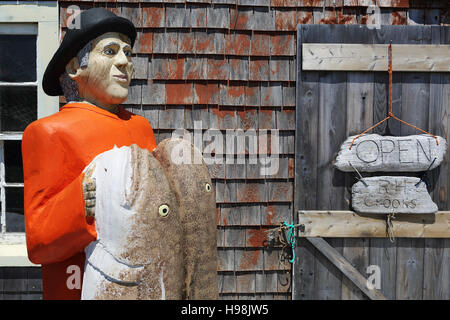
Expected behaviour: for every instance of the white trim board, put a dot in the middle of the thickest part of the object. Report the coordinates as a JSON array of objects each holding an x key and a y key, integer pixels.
[{"x": 13, "y": 251}]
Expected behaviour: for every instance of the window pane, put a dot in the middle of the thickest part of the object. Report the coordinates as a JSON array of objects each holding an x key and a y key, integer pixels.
[
  {"x": 17, "y": 58},
  {"x": 13, "y": 161},
  {"x": 18, "y": 107},
  {"x": 14, "y": 210}
]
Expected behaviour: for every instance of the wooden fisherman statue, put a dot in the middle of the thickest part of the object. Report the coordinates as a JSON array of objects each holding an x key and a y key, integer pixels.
[{"x": 65, "y": 193}]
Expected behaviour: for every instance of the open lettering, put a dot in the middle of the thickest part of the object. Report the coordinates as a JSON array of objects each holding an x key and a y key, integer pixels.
[
  {"x": 372, "y": 153},
  {"x": 398, "y": 150}
]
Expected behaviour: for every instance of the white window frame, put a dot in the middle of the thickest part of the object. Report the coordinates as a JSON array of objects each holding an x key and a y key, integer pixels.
[{"x": 27, "y": 17}]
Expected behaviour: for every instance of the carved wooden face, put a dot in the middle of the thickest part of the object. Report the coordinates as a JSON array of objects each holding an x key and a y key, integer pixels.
[{"x": 106, "y": 79}]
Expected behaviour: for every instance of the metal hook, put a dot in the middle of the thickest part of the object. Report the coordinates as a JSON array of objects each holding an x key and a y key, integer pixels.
[{"x": 360, "y": 176}]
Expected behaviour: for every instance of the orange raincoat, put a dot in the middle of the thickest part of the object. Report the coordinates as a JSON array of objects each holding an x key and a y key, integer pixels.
[{"x": 55, "y": 150}]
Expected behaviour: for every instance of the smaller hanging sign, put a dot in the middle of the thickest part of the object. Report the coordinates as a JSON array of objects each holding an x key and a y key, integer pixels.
[
  {"x": 373, "y": 152},
  {"x": 385, "y": 195}
]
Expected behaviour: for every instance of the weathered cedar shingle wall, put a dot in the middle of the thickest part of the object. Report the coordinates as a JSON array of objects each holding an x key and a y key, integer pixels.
[{"x": 233, "y": 66}]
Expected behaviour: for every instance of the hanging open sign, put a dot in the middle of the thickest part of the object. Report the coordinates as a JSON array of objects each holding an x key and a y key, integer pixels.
[
  {"x": 373, "y": 152},
  {"x": 392, "y": 194}
]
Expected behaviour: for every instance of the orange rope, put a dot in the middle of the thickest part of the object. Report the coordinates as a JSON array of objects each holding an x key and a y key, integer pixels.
[{"x": 390, "y": 113}]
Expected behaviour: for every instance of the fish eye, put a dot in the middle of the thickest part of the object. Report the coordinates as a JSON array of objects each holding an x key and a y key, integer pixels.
[
  {"x": 163, "y": 210},
  {"x": 208, "y": 187}
]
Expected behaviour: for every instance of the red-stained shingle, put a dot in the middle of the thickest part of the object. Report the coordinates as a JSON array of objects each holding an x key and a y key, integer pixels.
[
  {"x": 289, "y": 94},
  {"x": 245, "y": 283},
  {"x": 140, "y": 66},
  {"x": 159, "y": 41},
  {"x": 217, "y": 68},
  {"x": 177, "y": 16},
  {"x": 285, "y": 20},
  {"x": 238, "y": 68},
  {"x": 252, "y": 94},
  {"x": 186, "y": 41},
  {"x": 241, "y": 19},
  {"x": 264, "y": 19},
  {"x": 259, "y": 69},
  {"x": 204, "y": 42},
  {"x": 266, "y": 119},
  {"x": 152, "y": 16},
  {"x": 176, "y": 69},
  {"x": 280, "y": 191},
  {"x": 279, "y": 69},
  {"x": 394, "y": 3},
  {"x": 254, "y": 191},
  {"x": 282, "y": 45},
  {"x": 218, "y": 16},
  {"x": 154, "y": 93},
  {"x": 160, "y": 68},
  {"x": 249, "y": 260},
  {"x": 260, "y": 44},
  {"x": 179, "y": 93},
  {"x": 144, "y": 42},
  {"x": 232, "y": 95},
  {"x": 286, "y": 119},
  {"x": 237, "y": 43},
  {"x": 206, "y": 93},
  {"x": 195, "y": 68},
  {"x": 247, "y": 119},
  {"x": 198, "y": 16},
  {"x": 304, "y": 16},
  {"x": 271, "y": 94},
  {"x": 171, "y": 41},
  {"x": 132, "y": 13}
]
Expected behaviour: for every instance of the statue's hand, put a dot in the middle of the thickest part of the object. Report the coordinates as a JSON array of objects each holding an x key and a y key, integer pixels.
[{"x": 89, "y": 191}]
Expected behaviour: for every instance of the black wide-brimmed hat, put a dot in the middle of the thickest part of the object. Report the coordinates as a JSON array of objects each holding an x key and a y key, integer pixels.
[{"x": 93, "y": 23}]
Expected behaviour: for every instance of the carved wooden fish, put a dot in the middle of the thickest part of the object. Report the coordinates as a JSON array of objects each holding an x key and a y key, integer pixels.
[{"x": 156, "y": 225}]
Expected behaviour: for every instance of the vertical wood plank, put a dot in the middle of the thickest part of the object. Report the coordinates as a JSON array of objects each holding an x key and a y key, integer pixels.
[
  {"x": 305, "y": 167},
  {"x": 383, "y": 254},
  {"x": 436, "y": 277},
  {"x": 416, "y": 87},
  {"x": 331, "y": 182},
  {"x": 306, "y": 143},
  {"x": 385, "y": 35},
  {"x": 439, "y": 112},
  {"x": 444, "y": 193},
  {"x": 410, "y": 254},
  {"x": 437, "y": 251},
  {"x": 331, "y": 133},
  {"x": 304, "y": 270},
  {"x": 360, "y": 98},
  {"x": 438, "y": 126},
  {"x": 415, "y": 110},
  {"x": 356, "y": 251},
  {"x": 380, "y": 101}
]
